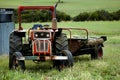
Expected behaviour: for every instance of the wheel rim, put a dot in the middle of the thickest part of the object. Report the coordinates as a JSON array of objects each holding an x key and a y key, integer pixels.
[
  {"x": 15, "y": 62},
  {"x": 100, "y": 53}
]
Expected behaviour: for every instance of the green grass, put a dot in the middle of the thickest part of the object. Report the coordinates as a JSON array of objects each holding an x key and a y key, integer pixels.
[
  {"x": 84, "y": 69},
  {"x": 94, "y": 27},
  {"x": 72, "y": 7}
]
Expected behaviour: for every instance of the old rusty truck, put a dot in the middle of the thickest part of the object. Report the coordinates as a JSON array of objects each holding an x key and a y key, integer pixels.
[{"x": 50, "y": 43}]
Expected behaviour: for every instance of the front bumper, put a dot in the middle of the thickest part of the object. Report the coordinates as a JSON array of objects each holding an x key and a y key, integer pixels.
[{"x": 43, "y": 58}]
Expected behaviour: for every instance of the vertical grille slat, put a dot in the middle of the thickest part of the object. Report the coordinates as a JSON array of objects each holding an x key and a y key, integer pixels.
[{"x": 42, "y": 45}]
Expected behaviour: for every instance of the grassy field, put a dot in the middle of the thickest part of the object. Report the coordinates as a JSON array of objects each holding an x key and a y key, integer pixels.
[
  {"x": 72, "y": 7},
  {"x": 84, "y": 69},
  {"x": 94, "y": 27}
]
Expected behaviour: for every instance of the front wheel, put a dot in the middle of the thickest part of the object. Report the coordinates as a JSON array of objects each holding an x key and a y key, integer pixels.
[
  {"x": 60, "y": 64},
  {"x": 69, "y": 61},
  {"x": 15, "y": 63}
]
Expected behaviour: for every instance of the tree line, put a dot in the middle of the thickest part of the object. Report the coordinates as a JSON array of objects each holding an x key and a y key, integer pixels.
[
  {"x": 45, "y": 16},
  {"x": 100, "y": 15}
]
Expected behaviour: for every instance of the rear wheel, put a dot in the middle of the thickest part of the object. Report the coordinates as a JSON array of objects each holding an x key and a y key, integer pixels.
[
  {"x": 98, "y": 53},
  {"x": 61, "y": 43}
]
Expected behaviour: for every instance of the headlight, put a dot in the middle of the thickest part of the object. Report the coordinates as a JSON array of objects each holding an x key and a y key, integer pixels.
[
  {"x": 36, "y": 35},
  {"x": 47, "y": 35},
  {"x": 42, "y": 34}
]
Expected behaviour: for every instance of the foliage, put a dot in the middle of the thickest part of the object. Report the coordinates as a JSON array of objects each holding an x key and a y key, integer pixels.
[
  {"x": 100, "y": 15},
  {"x": 41, "y": 16},
  {"x": 116, "y": 15},
  {"x": 81, "y": 17},
  {"x": 62, "y": 16},
  {"x": 45, "y": 16}
]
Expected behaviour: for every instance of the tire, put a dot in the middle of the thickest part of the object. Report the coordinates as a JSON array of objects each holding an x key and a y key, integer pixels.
[
  {"x": 97, "y": 53},
  {"x": 15, "y": 43},
  {"x": 15, "y": 63},
  {"x": 69, "y": 62},
  {"x": 61, "y": 43},
  {"x": 100, "y": 52}
]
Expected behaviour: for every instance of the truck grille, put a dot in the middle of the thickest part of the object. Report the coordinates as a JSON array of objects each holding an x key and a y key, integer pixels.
[{"x": 41, "y": 45}]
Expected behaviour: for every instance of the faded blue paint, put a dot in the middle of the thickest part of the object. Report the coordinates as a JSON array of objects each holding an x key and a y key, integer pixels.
[{"x": 5, "y": 30}]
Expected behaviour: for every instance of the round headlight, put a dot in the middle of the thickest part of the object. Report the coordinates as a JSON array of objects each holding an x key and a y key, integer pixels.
[
  {"x": 47, "y": 35},
  {"x": 36, "y": 35}
]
